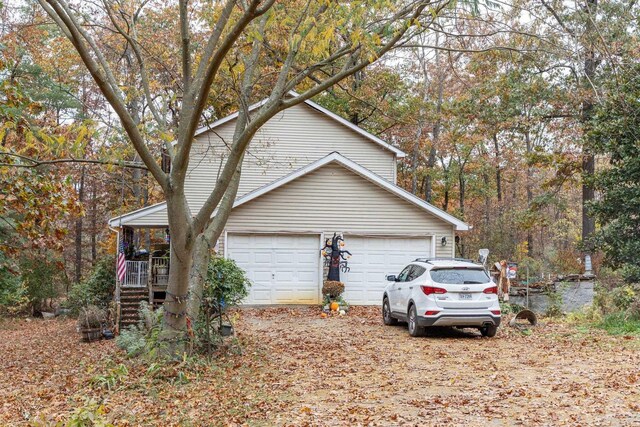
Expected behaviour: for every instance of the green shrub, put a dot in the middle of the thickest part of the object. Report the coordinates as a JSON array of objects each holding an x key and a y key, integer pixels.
[
  {"x": 43, "y": 278},
  {"x": 13, "y": 294},
  {"x": 97, "y": 289},
  {"x": 143, "y": 337},
  {"x": 226, "y": 286},
  {"x": 226, "y": 282}
]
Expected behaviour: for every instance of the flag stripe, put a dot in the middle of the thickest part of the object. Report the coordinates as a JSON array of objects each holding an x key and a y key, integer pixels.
[{"x": 121, "y": 267}]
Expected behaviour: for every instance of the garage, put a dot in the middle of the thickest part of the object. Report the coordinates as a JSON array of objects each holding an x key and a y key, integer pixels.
[
  {"x": 284, "y": 269},
  {"x": 373, "y": 259}
]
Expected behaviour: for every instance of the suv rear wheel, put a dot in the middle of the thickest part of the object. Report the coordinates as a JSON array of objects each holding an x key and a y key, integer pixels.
[
  {"x": 415, "y": 330},
  {"x": 386, "y": 314},
  {"x": 489, "y": 331}
]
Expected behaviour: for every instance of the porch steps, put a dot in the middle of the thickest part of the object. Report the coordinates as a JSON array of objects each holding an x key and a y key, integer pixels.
[{"x": 130, "y": 299}]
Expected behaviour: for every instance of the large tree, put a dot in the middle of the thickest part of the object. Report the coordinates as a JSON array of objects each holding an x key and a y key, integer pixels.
[
  {"x": 615, "y": 136},
  {"x": 295, "y": 44}
]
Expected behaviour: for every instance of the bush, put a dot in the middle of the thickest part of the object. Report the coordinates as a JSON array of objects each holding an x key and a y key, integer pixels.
[
  {"x": 332, "y": 288},
  {"x": 97, "y": 289},
  {"x": 13, "y": 295},
  {"x": 43, "y": 278},
  {"x": 227, "y": 284},
  {"x": 143, "y": 338}
]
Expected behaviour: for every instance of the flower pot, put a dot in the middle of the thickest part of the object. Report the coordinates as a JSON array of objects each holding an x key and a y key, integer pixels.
[
  {"x": 226, "y": 330},
  {"x": 91, "y": 334}
]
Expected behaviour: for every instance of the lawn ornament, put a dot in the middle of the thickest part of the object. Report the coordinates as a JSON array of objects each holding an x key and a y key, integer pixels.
[
  {"x": 335, "y": 258},
  {"x": 503, "y": 281}
]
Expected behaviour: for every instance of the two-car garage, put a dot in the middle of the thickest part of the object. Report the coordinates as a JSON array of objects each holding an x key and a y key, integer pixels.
[{"x": 287, "y": 268}]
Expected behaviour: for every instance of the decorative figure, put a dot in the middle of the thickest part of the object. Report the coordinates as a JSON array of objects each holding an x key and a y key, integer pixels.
[
  {"x": 335, "y": 258},
  {"x": 503, "y": 282}
]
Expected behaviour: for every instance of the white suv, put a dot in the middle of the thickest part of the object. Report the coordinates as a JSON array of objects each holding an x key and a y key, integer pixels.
[{"x": 442, "y": 292}]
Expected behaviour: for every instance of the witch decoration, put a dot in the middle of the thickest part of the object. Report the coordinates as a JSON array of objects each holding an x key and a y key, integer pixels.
[{"x": 335, "y": 258}]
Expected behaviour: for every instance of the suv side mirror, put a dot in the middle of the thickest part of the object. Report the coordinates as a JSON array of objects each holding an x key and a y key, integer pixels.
[{"x": 392, "y": 278}]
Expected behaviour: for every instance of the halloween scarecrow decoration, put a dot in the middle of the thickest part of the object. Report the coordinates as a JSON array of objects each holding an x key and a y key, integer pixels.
[
  {"x": 503, "y": 281},
  {"x": 335, "y": 258}
]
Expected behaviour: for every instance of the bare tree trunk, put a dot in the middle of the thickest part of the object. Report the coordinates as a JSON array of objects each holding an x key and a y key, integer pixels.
[
  {"x": 588, "y": 161},
  {"x": 431, "y": 160},
  {"x": 205, "y": 244},
  {"x": 79, "y": 225},
  {"x": 498, "y": 168},
  {"x": 415, "y": 156},
  {"x": 528, "y": 184},
  {"x": 463, "y": 186},
  {"x": 445, "y": 202},
  {"x": 94, "y": 223}
]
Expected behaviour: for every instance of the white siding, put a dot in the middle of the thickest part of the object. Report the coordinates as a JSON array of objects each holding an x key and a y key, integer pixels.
[
  {"x": 290, "y": 140},
  {"x": 334, "y": 199}
]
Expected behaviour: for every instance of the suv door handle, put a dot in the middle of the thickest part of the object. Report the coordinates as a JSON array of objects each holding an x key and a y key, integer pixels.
[{"x": 410, "y": 287}]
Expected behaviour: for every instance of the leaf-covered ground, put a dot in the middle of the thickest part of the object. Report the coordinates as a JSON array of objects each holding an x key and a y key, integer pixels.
[{"x": 291, "y": 367}]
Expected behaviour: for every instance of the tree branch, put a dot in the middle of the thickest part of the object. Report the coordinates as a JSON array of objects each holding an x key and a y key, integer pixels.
[
  {"x": 58, "y": 13},
  {"x": 34, "y": 163}
]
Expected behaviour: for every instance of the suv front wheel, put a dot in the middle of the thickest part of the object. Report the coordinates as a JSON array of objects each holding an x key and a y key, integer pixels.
[
  {"x": 386, "y": 314},
  {"x": 415, "y": 330}
]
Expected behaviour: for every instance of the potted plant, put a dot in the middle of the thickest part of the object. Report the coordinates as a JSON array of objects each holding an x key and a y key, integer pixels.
[
  {"x": 332, "y": 291},
  {"x": 90, "y": 321}
]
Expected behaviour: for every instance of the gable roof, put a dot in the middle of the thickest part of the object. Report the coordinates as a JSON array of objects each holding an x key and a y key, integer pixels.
[
  {"x": 333, "y": 157},
  {"x": 365, "y": 173},
  {"x": 331, "y": 115}
]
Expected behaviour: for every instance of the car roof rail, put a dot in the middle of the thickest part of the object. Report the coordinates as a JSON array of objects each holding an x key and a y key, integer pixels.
[{"x": 428, "y": 260}]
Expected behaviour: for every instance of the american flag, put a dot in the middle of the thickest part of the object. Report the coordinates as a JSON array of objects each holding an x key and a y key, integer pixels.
[{"x": 121, "y": 267}]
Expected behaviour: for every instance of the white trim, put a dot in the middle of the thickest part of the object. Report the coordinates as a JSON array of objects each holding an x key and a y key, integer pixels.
[
  {"x": 225, "y": 250},
  {"x": 399, "y": 153},
  {"x": 433, "y": 246},
  {"x": 360, "y": 170},
  {"x": 320, "y": 268},
  {"x": 123, "y": 219},
  {"x": 453, "y": 243}
]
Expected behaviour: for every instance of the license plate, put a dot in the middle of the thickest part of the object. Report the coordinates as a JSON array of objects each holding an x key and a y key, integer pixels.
[{"x": 465, "y": 296}]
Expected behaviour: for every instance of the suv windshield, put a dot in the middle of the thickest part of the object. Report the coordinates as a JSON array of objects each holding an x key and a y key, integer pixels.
[{"x": 459, "y": 275}]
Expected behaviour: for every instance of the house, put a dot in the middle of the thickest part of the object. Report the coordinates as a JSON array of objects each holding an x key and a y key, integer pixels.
[{"x": 308, "y": 173}]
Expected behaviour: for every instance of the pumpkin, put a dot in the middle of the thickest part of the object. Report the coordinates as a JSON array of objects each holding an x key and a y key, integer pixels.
[
  {"x": 334, "y": 306},
  {"x": 323, "y": 315}
]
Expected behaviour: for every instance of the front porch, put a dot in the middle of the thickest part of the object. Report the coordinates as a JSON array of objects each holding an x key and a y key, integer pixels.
[
  {"x": 146, "y": 275},
  {"x": 151, "y": 274}
]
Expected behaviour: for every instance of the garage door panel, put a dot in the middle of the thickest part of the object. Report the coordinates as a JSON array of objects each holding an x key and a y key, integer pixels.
[
  {"x": 373, "y": 259},
  {"x": 308, "y": 276},
  {"x": 262, "y": 257},
  {"x": 284, "y": 269}
]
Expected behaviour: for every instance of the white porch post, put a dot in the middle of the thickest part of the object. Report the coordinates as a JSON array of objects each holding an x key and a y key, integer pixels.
[{"x": 150, "y": 277}]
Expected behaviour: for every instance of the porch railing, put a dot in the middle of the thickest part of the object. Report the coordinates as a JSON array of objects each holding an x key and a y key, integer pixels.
[
  {"x": 137, "y": 274},
  {"x": 159, "y": 271}
]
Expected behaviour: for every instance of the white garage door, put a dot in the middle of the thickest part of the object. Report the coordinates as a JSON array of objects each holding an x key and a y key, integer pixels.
[
  {"x": 284, "y": 269},
  {"x": 373, "y": 259}
]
